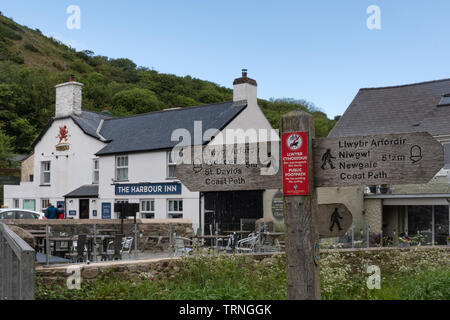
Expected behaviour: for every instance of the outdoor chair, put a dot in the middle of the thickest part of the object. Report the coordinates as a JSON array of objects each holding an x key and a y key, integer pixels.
[
  {"x": 229, "y": 245},
  {"x": 247, "y": 244},
  {"x": 181, "y": 247},
  {"x": 127, "y": 244},
  {"x": 114, "y": 249},
  {"x": 78, "y": 255}
]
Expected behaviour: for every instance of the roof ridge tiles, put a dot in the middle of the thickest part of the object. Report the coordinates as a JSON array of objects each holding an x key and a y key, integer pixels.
[
  {"x": 173, "y": 110},
  {"x": 405, "y": 85}
]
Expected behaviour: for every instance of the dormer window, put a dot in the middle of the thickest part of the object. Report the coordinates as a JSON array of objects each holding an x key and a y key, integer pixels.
[{"x": 445, "y": 100}]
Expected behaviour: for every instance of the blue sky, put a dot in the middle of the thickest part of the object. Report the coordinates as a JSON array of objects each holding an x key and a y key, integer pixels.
[{"x": 319, "y": 50}]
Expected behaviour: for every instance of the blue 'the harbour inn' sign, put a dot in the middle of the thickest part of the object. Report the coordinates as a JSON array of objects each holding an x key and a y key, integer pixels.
[{"x": 139, "y": 189}]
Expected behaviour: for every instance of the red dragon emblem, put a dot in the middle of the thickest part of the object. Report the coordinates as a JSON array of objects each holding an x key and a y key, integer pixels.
[{"x": 63, "y": 134}]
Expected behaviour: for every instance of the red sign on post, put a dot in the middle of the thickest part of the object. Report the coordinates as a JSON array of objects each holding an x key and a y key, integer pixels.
[{"x": 294, "y": 152}]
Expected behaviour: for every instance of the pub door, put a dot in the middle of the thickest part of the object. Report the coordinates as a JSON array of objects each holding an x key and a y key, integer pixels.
[{"x": 84, "y": 208}]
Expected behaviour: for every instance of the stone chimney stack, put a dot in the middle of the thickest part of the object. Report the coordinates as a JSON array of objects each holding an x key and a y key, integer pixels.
[
  {"x": 68, "y": 98},
  {"x": 245, "y": 89}
]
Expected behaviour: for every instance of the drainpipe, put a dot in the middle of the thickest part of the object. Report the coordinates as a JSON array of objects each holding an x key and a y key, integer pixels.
[{"x": 200, "y": 212}]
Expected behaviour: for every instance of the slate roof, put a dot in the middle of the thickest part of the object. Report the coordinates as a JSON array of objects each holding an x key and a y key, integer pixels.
[
  {"x": 399, "y": 109},
  {"x": 88, "y": 191},
  {"x": 153, "y": 131},
  {"x": 88, "y": 121}
]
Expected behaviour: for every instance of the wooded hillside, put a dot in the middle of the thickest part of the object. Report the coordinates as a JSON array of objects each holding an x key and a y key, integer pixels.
[{"x": 31, "y": 64}]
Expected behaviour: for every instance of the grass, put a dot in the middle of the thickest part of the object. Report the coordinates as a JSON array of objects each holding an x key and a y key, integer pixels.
[{"x": 242, "y": 278}]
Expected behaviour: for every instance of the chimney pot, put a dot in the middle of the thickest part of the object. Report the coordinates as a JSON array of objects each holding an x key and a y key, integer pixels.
[{"x": 244, "y": 73}]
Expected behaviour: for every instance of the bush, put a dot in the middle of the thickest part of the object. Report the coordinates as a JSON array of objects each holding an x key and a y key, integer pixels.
[
  {"x": 9, "y": 34},
  {"x": 28, "y": 46}
]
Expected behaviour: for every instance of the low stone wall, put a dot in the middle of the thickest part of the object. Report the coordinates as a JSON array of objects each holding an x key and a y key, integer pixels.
[
  {"x": 146, "y": 227},
  {"x": 168, "y": 267}
]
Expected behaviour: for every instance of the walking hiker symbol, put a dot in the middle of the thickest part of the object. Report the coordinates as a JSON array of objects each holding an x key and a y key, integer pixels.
[
  {"x": 327, "y": 156},
  {"x": 335, "y": 220}
]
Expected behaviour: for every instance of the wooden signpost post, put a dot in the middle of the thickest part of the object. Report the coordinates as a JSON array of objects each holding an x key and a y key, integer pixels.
[{"x": 300, "y": 220}]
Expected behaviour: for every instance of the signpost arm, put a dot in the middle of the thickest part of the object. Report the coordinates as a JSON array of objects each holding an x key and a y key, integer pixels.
[{"x": 302, "y": 274}]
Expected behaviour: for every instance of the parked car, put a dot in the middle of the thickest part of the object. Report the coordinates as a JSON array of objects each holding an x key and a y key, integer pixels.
[{"x": 20, "y": 214}]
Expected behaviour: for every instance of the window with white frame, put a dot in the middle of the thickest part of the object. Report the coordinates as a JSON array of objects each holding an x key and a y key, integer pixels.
[
  {"x": 175, "y": 209},
  {"x": 95, "y": 174},
  {"x": 122, "y": 168},
  {"x": 148, "y": 209},
  {"x": 45, "y": 172},
  {"x": 45, "y": 203},
  {"x": 172, "y": 158},
  {"x": 16, "y": 203}
]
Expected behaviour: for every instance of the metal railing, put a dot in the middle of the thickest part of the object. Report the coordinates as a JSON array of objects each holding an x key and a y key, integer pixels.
[{"x": 16, "y": 266}]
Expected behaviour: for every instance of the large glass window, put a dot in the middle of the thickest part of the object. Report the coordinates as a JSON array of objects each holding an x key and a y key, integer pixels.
[
  {"x": 147, "y": 209},
  {"x": 175, "y": 209},
  {"x": 122, "y": 168},
  {"x": 45, "y": 172},
  {"x": 419, "y": 224},
  {"x": 441, "y": 221}
]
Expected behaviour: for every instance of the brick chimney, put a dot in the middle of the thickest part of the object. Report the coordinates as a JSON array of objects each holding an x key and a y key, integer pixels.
[
  {"x": 245, "y": 88},
  {"x": 68, "y": 98}
]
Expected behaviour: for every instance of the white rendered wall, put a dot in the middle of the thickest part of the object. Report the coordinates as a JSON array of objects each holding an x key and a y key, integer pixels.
[
  {"x": 148, "y": 167},
  {"x": 67, "y": 173}
]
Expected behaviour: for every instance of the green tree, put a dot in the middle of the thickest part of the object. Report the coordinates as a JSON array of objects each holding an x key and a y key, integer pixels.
[
  {"x": 137, "y": 100},
  {"x": 23, "y": 135},
  {"x": 5, "y": 146}
]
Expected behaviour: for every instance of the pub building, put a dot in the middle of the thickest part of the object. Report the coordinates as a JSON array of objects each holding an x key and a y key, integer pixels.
[
  {"x": 88, "y": 161},
  {"x": 399, "y": 210}
]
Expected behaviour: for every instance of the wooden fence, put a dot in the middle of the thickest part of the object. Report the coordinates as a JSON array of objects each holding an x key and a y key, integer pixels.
[{"x": 16, "y": 266}]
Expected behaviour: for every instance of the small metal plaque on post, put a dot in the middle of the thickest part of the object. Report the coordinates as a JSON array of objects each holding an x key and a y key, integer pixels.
[{"x": 294, "y": 153}]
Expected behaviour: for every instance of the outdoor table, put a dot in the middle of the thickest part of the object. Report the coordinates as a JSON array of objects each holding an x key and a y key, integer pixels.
[
  {"x": 270, "y": 237},
  {"x": 239, "y": 233},
  {"x": 36, "y": 231},
  {"x": 55, "y": 240},
  {"x": 91, "y": 243},
  {"x": 157, "y": 239},
  {"x": 213, "y": 237},
  {"x": 106, "y": 230}
]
